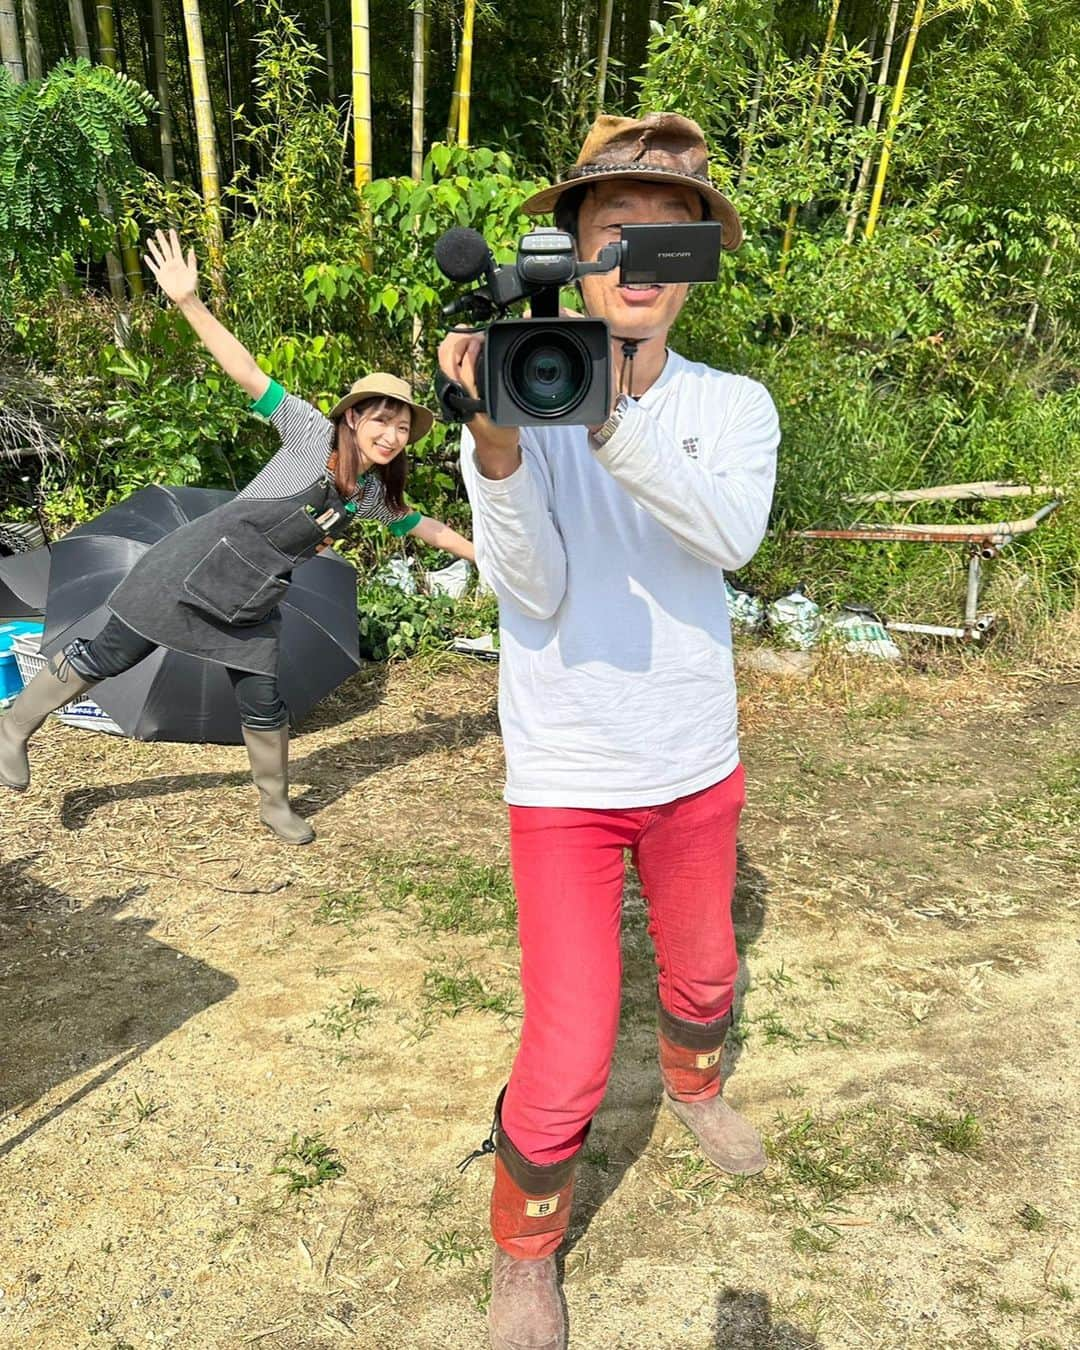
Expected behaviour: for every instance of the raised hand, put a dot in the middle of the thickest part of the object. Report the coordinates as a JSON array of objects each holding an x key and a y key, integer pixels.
[{"x": 177, "y": 276}]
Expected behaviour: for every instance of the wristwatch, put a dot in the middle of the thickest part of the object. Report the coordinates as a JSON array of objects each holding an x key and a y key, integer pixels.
[{"x": 600, "y": 437}]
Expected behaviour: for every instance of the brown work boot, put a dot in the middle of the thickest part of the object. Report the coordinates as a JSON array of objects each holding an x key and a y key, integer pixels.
[
  {"x": 530, "y": 1212},
  {"x": 690, "y": 1064},
  {"x": 526, "y": 1309},
  {"x": 724, "y": 1137}
]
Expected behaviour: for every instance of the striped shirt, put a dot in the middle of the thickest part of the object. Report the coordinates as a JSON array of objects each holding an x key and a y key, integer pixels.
[{"x": 307, "y": 437}]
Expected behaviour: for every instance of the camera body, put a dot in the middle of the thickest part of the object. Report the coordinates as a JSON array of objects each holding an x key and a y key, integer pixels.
[
  {"x": 542, "y": 372},
  {"x": 548, "y": 370}
]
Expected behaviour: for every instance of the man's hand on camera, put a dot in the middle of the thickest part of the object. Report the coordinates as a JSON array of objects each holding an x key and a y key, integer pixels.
[{"x": 497, "y": 450}]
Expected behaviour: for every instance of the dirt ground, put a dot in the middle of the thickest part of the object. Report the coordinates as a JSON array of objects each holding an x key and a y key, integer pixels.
[{"x": 200, "y": 1028}]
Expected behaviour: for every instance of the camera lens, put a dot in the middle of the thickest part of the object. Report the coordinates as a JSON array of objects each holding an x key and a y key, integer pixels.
[{"x": 548, "y": 372}]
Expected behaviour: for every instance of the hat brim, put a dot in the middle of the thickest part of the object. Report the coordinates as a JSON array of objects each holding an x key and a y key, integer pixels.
[
  {"x": 719, "y": 207},
  {"x": 420, "y": 422}
]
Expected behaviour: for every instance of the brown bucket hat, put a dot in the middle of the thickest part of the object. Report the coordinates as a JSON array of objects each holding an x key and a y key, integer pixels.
[
  {"x": 658, "y": 148},
  {"x": 382, "y": 384}
]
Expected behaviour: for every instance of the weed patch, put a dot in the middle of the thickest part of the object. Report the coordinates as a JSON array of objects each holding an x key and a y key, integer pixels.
[
  {"x": 452, "y": 1248},
  {"x": 342, "y": 907},
  {"x": 450, "y": 893},
  {"x": 307, "y": 1163},
  {"x": 347, "y": 1018},
  {"x": 1030, "y": 1219},
  {"x": 828, "y": 1161},
  {"x": 459, "y": 989},
  {"x": 690, "y": 1179},
  {"x": 956, "y": 1133}
]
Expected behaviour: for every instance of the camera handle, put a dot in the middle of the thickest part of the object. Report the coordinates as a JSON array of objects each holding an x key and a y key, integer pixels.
[{"x": 456, "y": 404}]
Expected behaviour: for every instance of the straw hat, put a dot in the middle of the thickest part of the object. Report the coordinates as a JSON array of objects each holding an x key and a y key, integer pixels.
[
  {"x": 658, "y": 148},
  {"x": 382, "y": 384}
]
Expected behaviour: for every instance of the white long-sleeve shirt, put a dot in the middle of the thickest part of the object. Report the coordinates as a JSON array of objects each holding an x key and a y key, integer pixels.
[{"x": 616, "y": 683}]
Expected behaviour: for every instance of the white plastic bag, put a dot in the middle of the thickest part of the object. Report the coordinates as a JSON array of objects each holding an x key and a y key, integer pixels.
[
  {"x": 746, "y": 611},
  {"x": 451, "y": 580},
  {"x": 863, "y": 633},
  {"x": 397, "y": 573},
  {"x": 796, "y": 619}
]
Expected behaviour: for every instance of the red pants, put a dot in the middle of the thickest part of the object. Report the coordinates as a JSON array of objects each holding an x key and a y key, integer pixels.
[{"x": 568, "y": 868}]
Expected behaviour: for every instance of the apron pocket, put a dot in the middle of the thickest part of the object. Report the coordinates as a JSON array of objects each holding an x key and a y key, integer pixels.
[
  {"x": 227, "y": 586},
  {"x": 296, "y": 535}
]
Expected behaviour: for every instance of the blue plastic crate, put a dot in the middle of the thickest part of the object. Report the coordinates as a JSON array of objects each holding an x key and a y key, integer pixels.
[{"x": 10, "y": 679}]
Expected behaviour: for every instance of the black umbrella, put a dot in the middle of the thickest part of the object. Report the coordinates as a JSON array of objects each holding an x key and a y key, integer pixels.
[
  {"x": 24, "y": 584},
  {"x": 171, "y": 696}
]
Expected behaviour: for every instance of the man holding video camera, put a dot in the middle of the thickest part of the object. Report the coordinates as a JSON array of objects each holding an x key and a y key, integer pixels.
[{"x": 606, "y": 547}]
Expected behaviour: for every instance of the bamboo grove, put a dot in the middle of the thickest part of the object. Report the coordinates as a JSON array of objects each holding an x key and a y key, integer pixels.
[{"x": 906, "y": 170}]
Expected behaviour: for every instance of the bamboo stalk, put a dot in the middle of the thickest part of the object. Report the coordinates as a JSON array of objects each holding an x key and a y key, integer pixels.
[
  {"x": 808, "y": 139},
  {"x": 161, "y": 80},
  {"x": 34, "y": 67},
  {"x": 10, "y": 49},
  {"x": 952, "y": 492},
  {"x": 208, "y": 161},
  {"x": 144, "y": 28},
  {"x": 1033, "y": 313},
  {"x": 465, "y": 90},
  {"x": 455, "y": 96},
  {"x": 894, "y": 119},
  {"x": 113, "y": 269},
  {"x": 875, "y": 121},
  {"x": 860, "y": 109},
  {"x": 419, "y": 82},
  {"x": 78, "y": 29},
  {"x": 419, "y": 60},
  {"x": 602, "y": 52},
  {"x": 328, "y": 31},
  {"x": 174, "y": 18},
  {"x": 361, "y": 83},
  {"x": 106, "y": 24},
  {"x": 751, "y": 123},
  {"x": 106, "y": 34}
]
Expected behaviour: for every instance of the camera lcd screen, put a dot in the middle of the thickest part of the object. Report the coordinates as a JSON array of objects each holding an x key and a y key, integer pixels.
[{"x": 665, "y": 254}]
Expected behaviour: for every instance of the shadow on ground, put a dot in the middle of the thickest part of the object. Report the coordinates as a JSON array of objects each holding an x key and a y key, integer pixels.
[
  {"x": 328, "y": 773},
  {"x": 82, "y": 988},
  {"x": 625, "y": 1123},
  {"x": 744, "y": 1322}
]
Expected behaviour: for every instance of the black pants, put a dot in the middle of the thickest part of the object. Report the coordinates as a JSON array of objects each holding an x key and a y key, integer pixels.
[{"x": 117, "y": 648}]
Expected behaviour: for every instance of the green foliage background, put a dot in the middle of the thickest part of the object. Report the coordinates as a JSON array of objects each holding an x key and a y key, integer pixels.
[{"x": 944, "y": 349}]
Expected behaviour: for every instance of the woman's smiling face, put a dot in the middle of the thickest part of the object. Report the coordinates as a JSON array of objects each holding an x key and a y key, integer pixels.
[{"x": 382, "y": 432}]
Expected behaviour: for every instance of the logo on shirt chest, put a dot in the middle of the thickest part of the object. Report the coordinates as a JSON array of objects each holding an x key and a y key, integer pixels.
[{"x": 692, "y": 445}]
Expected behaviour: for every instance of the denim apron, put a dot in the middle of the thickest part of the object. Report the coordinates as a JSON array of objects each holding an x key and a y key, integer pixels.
[{"x": 212, "y": 588}]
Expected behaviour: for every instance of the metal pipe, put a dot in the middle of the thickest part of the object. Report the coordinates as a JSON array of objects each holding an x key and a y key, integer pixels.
[
  {"x": 934, "y": 629},
  {"x": 1046, "y": 510},
  {"x": 971, "y": 607}
]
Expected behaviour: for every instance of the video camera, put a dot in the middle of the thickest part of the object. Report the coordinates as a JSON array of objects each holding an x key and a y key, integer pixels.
[{"x": 547, "y": 370}]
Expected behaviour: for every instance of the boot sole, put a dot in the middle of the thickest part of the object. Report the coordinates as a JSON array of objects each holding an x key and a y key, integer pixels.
[
  {"x": 293, "y": 843},
  {"x": 14, "y": 787}
]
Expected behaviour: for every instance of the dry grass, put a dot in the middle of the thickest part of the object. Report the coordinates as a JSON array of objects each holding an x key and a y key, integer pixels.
[{"x": 198, "y": 1007}]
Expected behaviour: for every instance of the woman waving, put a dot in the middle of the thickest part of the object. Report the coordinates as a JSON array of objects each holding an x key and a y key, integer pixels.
[{"x": 211, "y": 588}]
